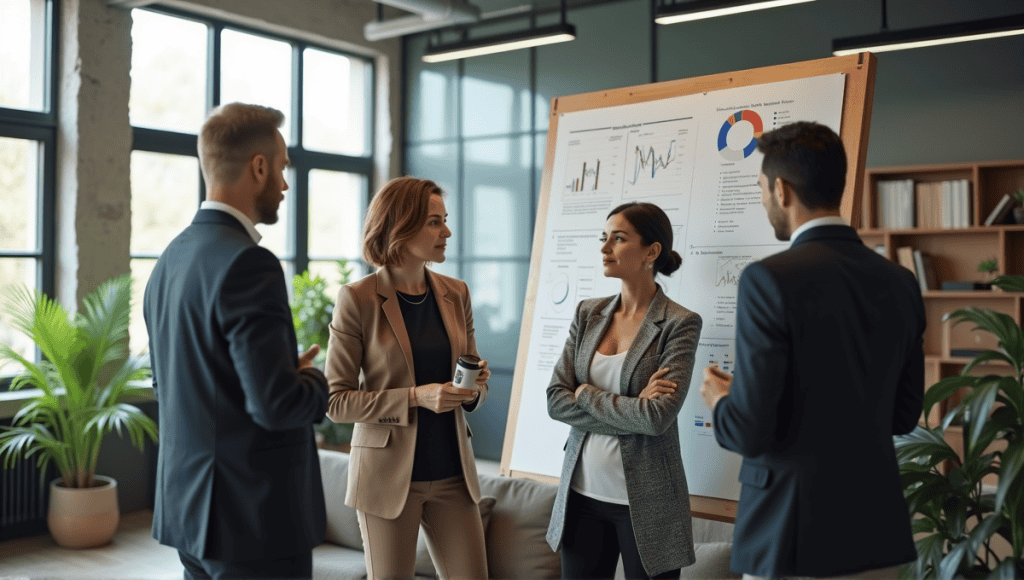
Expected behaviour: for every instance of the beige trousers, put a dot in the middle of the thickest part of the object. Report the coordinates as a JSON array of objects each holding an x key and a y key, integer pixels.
[
  {"x": 451, "y": 522},
  {"x": 890, "y": 573}
]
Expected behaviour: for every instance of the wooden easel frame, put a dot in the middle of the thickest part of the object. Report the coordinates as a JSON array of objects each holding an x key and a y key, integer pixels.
[{"x": 856, "y": 120}]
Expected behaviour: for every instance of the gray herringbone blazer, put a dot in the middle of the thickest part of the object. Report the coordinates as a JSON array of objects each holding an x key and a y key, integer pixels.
[{"x": 659, "y": 500}]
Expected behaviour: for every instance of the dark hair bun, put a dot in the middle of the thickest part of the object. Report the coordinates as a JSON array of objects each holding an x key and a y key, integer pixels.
[{"x": 671, "y": 264}]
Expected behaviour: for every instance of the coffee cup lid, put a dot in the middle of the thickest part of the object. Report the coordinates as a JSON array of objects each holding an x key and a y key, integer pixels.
[{"x": 469, "y": 360}]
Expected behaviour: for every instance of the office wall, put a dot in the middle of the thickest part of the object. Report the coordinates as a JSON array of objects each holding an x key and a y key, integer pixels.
[{"x": 479, "y": 126}]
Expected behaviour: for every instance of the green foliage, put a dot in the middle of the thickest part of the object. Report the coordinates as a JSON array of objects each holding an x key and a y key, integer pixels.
[
  {"x": 83, "y": 382},
  {"x": 956, "y": 518},
  {"x": 988, "y": 266},
  {"x": 1019, "y": 196},
  {"x": 311, "y": 314}
]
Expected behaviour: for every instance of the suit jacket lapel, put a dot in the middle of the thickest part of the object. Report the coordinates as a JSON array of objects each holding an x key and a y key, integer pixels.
[
  {"x": 446, "y": 304},
  {"x": 649, "y": 329},
  {"x": 597, "y": 325},
  {"x": 393, "y": 312}
]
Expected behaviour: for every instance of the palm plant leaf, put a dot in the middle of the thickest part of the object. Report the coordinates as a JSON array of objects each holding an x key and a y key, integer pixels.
[
  {"x": 924, "y": 443},
  {"x": 1009, "y": 283},
  {"x": 944, "y": 388},
  {"x": 1004, "y": 327},
  {"x": 105, "y": 318},
  {"x": 83, "y": 382},
  {"x": 951, "y": 562},
  {"x": 984, "y": 357},
  {"x": 1009, "y": 471},
  {"x": 978, "y": 408}
]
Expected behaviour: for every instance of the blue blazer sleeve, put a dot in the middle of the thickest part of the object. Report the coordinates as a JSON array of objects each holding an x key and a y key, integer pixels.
[
  {"x": 745, "y": 420},
  {"x": 252, "y": 311}
]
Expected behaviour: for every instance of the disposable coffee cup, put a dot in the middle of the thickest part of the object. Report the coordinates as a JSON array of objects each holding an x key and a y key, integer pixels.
[{"x": 466, "y": 371}]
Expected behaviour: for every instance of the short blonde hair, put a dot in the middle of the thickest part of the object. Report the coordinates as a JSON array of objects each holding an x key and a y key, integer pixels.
[
  {"x": 396, "y": 214},
  {"x": 231, "y": 135}
]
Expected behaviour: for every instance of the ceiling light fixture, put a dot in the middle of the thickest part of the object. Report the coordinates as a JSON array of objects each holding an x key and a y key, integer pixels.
[
  {"x": 562, "y": 32},
  {"x": 700, "y": 9},
  {"x": 887, "y": 40}
]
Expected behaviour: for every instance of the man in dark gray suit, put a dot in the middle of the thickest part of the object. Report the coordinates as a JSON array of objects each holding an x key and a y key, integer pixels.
[
  {"x": 829, "y": 366},
  {"x": 238, "y": 489}
]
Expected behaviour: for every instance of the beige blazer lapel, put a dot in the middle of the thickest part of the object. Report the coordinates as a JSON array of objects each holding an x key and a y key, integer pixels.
[
  {"x": 446, "y": 304},
  {"x": 649, "y": 330},
  {"x": 393, "y": 312}
]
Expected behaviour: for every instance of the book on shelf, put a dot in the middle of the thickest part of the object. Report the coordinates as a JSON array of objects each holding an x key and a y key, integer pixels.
[
  {"x": 965, "y": 352},
  {"x": 924, "y": 267},
  {"x": 999, "y": 212},
  {"x": 962, "y": 285},
  {"x": 905, "y": 258},
  {"x": 896, "y": 206}
]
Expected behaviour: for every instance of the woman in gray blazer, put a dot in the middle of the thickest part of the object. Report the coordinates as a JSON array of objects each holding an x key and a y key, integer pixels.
[{"x": 619, "y": 384}]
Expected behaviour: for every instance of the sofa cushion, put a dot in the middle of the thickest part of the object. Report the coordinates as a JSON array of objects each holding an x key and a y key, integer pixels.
[
  {"x": 332, "y": 562},
  {"x": 516, "y": 547},
  {"x": 424, "y": 562},
  {"x": 712, "y": 562},
  {"x": 342, "y": 525}
]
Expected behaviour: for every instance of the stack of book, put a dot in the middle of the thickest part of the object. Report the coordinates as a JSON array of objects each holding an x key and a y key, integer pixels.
[
  {"x": 921, "y": 264},
  {"x": 944, "y": 204},
  {"x": 938, "y": 204},
  {"x": 896, "y": 204}
]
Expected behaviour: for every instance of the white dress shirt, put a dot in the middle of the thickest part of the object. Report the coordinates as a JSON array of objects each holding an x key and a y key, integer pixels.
[
  {"x": 832, "y": 220},
  {"x": 246, "y": 222}
]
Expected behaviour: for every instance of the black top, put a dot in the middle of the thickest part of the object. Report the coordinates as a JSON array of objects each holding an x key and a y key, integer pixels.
[{"x": 437, "y": 446}]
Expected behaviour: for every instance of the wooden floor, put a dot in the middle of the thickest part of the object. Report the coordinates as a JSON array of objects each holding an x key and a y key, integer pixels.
[{"x": 133, "y": 555}]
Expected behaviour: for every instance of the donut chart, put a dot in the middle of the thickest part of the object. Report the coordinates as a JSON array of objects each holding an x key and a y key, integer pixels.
[{"x": 723, "y": 142}]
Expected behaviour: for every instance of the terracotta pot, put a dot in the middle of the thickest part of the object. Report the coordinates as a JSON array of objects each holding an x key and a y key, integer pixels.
[{"x": 83, "y": 517}]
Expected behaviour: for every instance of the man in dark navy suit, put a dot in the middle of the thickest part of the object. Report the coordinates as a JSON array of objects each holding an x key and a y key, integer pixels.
[
  {"x": 238, "y": 489},
  {"x": 829, "y": 366}
]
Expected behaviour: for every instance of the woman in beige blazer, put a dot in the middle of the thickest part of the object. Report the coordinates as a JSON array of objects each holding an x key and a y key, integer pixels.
[{"x": 395, "y": 338}]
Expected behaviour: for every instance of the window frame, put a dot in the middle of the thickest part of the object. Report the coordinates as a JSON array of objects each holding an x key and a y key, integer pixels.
[
  {"x": 41, "y": 127},
  {"x": 302, "y": 160}
]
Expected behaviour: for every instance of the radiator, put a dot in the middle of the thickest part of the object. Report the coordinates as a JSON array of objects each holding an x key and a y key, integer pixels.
[{"x": 23, "y": 502}]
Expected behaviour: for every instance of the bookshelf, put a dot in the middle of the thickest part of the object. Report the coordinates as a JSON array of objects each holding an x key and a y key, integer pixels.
[{"x": 955, "y": 252}]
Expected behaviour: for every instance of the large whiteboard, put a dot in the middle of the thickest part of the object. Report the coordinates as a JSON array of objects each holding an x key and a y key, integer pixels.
[{"x": 694, "y": 155}]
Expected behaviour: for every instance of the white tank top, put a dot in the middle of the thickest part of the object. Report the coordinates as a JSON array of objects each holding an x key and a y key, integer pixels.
[{"x": 598, "y": 474}]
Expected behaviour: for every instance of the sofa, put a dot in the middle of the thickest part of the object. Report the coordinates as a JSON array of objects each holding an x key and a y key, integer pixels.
[{"x": 515, "y": 514}]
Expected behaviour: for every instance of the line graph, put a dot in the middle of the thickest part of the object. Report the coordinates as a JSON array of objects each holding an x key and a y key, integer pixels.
[
  {"x": 729, "y": 268},
  {"x": 649, "y": 161},
  {"x": 656, "y": 161}
]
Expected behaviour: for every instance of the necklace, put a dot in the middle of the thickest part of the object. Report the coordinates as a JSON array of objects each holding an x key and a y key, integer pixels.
[{"x": 422, "y": 300}]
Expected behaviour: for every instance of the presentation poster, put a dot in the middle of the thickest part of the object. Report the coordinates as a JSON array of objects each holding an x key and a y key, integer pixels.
[{"x": 696, "y": 157}]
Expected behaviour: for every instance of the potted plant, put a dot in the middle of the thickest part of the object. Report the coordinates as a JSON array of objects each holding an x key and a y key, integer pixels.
[
  {"x": 1018, "y": 212},
  {"x": 989, "y": 268},
  {"x": 311, "y": 315},
  {"x": 957, "y": 519},
  {"x": 83, "y": 385}
]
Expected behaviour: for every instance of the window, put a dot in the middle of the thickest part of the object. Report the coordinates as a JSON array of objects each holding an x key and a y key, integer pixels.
[
  {"x": 327, "y": 100},
  {"x": 28, "y": 139}
]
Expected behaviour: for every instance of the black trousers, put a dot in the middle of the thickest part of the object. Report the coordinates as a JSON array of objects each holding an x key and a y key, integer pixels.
[
  {"x": 596, "y": 533},
  {"x": 290, "y": 568}
]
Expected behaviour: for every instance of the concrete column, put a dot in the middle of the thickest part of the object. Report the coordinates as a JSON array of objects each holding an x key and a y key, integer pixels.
[{"x": 94, "y": 148}]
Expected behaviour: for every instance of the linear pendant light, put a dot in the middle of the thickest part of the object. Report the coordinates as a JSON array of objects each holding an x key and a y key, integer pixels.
[
  {"x": 561, "y": 32},
  {"x": 930, "y": 36},
  {"x": 700, "y": 9}
]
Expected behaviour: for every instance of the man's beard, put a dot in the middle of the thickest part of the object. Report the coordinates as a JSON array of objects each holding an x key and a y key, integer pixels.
[
  {"x": 779, "y": 220},
  {"x": 266, "y": 209}
]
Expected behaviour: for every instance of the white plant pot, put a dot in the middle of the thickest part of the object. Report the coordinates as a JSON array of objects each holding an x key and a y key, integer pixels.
[{"x": 83, "y": 517}]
